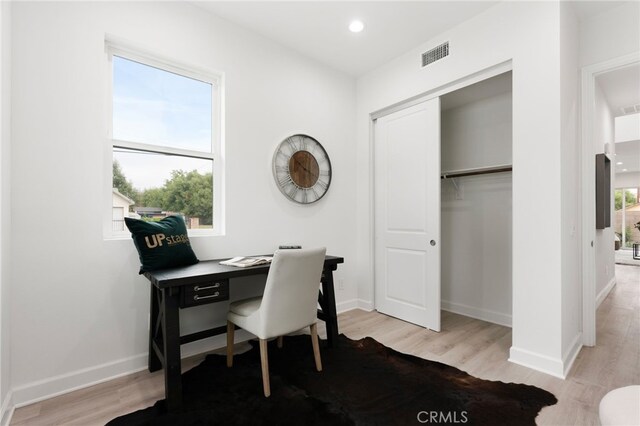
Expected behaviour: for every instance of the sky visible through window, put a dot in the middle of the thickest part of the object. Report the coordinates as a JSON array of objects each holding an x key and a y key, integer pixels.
[{"x": 157, "y": 107}]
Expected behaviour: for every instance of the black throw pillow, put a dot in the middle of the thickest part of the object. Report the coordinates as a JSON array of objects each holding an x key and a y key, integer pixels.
[{"x": 162, "y": 244}]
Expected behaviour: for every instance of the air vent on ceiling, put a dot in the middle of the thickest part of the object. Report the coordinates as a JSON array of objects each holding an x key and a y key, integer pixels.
[
  {"x": 630, "y": 109},
  {"x": 435, "y": 54}
]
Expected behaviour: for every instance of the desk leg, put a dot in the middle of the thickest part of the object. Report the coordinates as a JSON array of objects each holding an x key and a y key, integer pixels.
[
  {"x": 154, "y": 363},
  {"x": 171, "y": 349},
  {"x": 329, "y": 307}
]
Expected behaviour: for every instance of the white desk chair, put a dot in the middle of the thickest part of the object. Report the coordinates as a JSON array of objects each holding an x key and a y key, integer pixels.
[{"x": 289, "y": 303}]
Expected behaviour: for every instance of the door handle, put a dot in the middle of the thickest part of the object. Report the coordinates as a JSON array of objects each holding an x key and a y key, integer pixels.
[{"x": 433, "y": 242}]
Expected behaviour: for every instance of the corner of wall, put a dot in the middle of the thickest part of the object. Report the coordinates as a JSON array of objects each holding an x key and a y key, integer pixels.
[
  {"x": 555, "y": 367},
  {"x": 347, "y": 305},
  {"x": 543, "y": 363},
  {"x": 571, "y": 354},
  {"x": 6, "y": 409},
  {"x": 605, "y": 291}
]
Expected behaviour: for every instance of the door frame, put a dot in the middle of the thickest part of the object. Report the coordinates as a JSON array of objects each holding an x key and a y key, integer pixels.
[
  {"x": 587, "y": 153},
  {"x": 492, "y": 71}
]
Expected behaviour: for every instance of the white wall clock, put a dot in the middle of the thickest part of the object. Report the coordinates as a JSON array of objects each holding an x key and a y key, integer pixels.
[{"x": 302, "y": 169}]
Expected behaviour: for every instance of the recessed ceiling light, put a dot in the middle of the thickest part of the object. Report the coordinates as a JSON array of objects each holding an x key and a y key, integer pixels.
[
  {"x": 624, "y": 170},
  {"x": 356, "y": 26},
  {"x": 619, "y": 163}
]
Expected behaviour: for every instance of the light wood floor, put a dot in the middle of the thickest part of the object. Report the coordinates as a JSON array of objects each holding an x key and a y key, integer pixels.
[{"x": 478, "y": 347}]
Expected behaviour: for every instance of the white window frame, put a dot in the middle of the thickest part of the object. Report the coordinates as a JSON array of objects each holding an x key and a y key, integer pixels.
[{"x": 216, "y": 80}]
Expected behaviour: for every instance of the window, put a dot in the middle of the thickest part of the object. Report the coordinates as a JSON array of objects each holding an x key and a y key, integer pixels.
[
  {"x": 118, "y": 218},
  {"x": 627, "y": 216},
  {"x": 165, "y": 141}
]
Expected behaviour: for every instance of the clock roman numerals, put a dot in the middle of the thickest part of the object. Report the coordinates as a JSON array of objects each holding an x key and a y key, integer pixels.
[
  {"x": 292, "y": 145},
  {"x": 323, "y": 159},
  {"x": 283, "y": 155},
  {"x": 322, "y": 185},
  {"x": 302, "y": 143},
  {"x": 285, "y": 180},
  {"x": 316, "y": 194}
]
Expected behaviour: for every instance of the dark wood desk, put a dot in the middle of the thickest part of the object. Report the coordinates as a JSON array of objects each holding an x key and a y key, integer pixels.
[{"x": 199, "y": 284}]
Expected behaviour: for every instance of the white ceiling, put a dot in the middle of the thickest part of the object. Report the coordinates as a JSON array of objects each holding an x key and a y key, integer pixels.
[
  {"x": 318, "y": 29},
  {"x": 627, "y": 153},
  {"x": 621, "y": 87}
]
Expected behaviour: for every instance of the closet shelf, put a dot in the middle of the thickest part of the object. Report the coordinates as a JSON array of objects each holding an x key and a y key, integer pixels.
[{"x": 476, "y": 171}]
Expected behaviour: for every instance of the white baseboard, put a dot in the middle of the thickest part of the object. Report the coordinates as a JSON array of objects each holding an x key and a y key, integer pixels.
[
  {"x": 48, "y": 388},
  {"x": 539, "y": 362},
  {"x": 64, "y": 383},
  {"x": 572, "y": 354},
  {"x": 366, "y": 305},
  {"x": 83, "y": 378},
  {"x": 605, "y": 292},
  {"x": 477, "y": 313},
  {"x": 347, "y": 305},
  {"x": 553, "y": 366},
  {"x": 6, "y": 411},
  {"x": 352, "y": 304}
]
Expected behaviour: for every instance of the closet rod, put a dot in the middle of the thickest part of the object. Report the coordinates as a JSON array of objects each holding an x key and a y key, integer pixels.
[{"x": 478, "y": 171}]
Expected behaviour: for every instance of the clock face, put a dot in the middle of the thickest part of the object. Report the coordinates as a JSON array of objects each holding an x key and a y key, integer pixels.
[{"x": 302, "y": 169}]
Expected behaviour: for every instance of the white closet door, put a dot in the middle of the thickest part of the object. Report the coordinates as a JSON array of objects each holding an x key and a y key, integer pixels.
[{"x": 407, "y": 214}]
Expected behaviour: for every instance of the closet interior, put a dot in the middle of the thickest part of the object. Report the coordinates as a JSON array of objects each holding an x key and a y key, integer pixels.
[{"x": 476, "y": 200}]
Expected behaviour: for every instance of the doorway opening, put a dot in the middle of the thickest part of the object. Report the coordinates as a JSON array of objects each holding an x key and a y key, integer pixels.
[
  {"x": 610, "y": 94},
  {"x": 464, "y": 221}
]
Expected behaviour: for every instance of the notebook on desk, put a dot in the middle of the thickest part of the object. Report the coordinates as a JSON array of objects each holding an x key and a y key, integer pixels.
[{"x": 247, "y": 261}]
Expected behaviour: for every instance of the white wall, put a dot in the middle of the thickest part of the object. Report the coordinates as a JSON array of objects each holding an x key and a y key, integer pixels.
[
  {"x": 528, "y": 34},
  {"x": 611, "y": 34},
  {"x": 477, "y": 134},
  {"x": 5, "y": 210},
  {"x": 476, "y": 220},
  {"x": 80, "y": 309},
  {"x": 627, "y": 180},
  {"x": 627, "y": 128},
  {"x": 604, "y": 242},
  {"x": 571, "y": 187}
]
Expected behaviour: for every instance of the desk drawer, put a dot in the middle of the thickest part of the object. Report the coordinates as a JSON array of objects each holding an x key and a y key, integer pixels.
[{"x": 207, "y": 292}]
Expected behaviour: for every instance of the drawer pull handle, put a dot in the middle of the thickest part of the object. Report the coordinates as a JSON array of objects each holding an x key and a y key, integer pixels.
[
  {"x": 216, "y": 294},
  {"x": 209, "y": 287}
]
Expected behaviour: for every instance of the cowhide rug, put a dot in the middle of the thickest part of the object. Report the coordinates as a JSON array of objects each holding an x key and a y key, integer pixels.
[{"x": 362, "y": 383}]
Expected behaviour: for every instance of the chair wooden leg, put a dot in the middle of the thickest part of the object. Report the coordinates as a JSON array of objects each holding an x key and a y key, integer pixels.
[
  {"x": 264, "y": 359},
  {"x": 280, "y": 339},
  {"x": 230, "y": 332},
  {"x": 316, "y": 346}
]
